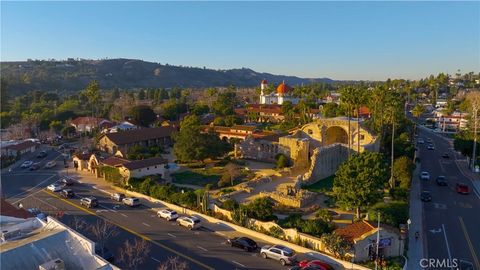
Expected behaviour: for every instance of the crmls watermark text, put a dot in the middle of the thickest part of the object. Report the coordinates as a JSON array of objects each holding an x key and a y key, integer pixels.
[{"x": 438, "y": 263}]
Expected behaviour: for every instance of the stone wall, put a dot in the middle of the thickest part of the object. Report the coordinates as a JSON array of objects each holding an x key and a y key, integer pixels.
[
  {"x": 325, "y": 162},
  {"x": 296, "y": 149},
  {"x": 299, "y": 200}
]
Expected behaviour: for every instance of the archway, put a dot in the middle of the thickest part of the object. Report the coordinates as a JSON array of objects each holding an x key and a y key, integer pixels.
[{"x": 336, "y": 134}]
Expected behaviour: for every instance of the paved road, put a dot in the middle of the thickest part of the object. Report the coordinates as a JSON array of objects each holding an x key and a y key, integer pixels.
[
  {"x": 201, "y": 249},
  {"x": 451, "y": 220}
]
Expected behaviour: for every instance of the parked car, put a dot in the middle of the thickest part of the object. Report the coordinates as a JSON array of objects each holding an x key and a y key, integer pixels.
[
  {"x": 35, "y": 166},
  {"x": 429, "y": 140},
  {"x": 426, "y": 196},
  {"x": 26, "y": 164},
  {"x": 446, "y": 155},
  {"x": 42, "y": 154},
  {"x": 431, "y": 147},
  {"x": 310, "y": 267},
  {"x": 167, "y": 214},
  {"x": 67, "y": 181},
  {"x": 55, "y": 187},
  {"x": 244, "y": 243},
  {"x": 190, "y": 222},
  {"x": 316, "y": 264},
  {"x": 117, "y": 196},
  {"x": 89, "y": 202},
  {"x": 104, "y": 253},
  {"x": 50, "y": 164},
  {"x": 67, "y": 193},
  {"x": 280, "y": 253},
  {"x": 424, "y": 175},
  {"x": 131, "y": 201},
  {"x": 420, "y": 141},
  {"x": 441, "y": 180},
  {"x": 462, "y": 188}
]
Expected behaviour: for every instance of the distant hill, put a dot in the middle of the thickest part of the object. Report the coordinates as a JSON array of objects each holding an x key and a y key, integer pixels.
[{"x": 73, "y": 75}]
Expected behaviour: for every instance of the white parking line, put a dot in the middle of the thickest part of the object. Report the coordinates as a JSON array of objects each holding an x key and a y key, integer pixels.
[
  {"x": 446, "y": 242},
  {"x": 174, "y": 236},
  {"x": 107, "y": 208},
  {"x": 146, "y": 224},
  {"x": 123, "y": 215},
  {"x": 157, "y": 260},
  {"x": 204, "y": 249},
  {"x": 237, "y": 263}
]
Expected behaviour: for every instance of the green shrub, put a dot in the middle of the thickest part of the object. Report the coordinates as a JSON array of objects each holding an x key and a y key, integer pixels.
[
  {"x": 393, "y": 213},
  {"x": 230, "y": 204}
]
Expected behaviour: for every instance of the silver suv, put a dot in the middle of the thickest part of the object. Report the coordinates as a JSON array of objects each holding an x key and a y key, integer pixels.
[{"x": 280, "y": 253}]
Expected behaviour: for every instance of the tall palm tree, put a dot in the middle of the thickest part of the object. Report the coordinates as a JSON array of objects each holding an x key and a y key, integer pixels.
[
  {"x": 359, "y": 99},
  {"x": 347, "y": 99}
]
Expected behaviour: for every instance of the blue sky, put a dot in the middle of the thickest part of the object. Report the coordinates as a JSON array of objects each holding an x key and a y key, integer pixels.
[{"x": 340, "y": 40}]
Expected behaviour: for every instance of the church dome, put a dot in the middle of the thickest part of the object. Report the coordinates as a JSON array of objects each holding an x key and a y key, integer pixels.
[{"x": 283, "y": 89}]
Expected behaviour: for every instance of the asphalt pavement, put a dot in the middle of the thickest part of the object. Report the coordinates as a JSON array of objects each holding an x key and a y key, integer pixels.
[
  {"x": 451, "y": 221},
  {"x": 201, "y": 249}
]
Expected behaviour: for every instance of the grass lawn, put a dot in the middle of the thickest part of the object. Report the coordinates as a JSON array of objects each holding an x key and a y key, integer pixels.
[
  {"x": 324, "y": 185},
  {"x": 198, "y": 177}
]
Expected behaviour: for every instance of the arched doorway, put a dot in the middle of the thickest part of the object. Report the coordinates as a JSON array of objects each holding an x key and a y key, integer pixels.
[{"x": 336, "y": 134}]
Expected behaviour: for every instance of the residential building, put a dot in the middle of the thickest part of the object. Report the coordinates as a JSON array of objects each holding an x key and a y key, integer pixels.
[
  {"x": 144, "y": 167},
  {"x": 112, "y": 142},
  {"x": 88, "y": 123},
  {"x": 363, "y": 235},
  {"x": 19, "y": 148},
  {"x": 123, "y": 126},
  {"x": 454, "y": 122}
]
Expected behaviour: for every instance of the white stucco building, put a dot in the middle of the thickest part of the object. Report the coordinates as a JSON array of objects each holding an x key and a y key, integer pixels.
[{"x": 282, "y": 94}]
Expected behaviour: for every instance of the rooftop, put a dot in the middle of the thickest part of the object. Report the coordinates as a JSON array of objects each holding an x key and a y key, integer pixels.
[{"x": 138, "y": 135}]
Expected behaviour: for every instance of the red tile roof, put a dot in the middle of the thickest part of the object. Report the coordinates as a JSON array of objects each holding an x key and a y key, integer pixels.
[
  {"x": 84, "y": 120},
  {"x": 138, "y": 164},
  {"x": 355, "y": 230},
  {"x": 6, "y": 209},
  {"x": 114, "y": 161},
  {"x": 139, "y": 135}
]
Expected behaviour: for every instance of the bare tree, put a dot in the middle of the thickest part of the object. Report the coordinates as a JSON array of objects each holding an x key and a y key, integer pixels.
[
  {"x": 78, "y": 224},
  {"x": 134, "y": 253},
  {"x": 173, "y": 263},
  {"x": 102, "y": 231}
]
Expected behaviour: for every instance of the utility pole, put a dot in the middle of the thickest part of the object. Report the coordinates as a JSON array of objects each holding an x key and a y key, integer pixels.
[
  {"x": 378, "y": 242},
  {"x": 474, "y": 154}
]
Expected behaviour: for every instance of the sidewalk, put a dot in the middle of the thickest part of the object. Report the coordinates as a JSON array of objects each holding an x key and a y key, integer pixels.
[{"x": 416, "y": 249}]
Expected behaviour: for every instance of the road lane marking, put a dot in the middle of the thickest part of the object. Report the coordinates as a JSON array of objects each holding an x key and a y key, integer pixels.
[
  {"x": 469, "y": 242},
  {"x": 446, "y": 242},
  {"x": 146, "y": 224},
  {"x": 202, "y": 248},
  {"x": 237, "y": 263},
  {"x": 108, "y": 209},
  {"x": 146, "y": 238},
  {"x": 51, "y": 205},
  {"x": 30, "y": 189},
  {"x": 157, "y": 260},
  {"x": 172, "y": 235},
  {"x": 123, "y": 214}
]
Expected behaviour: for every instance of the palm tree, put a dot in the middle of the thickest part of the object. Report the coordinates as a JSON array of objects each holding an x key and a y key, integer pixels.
[
  {"x": 359, "y": 100},
  {"x": 393, "y": 111},
  {"x": 348, "y": 99}
]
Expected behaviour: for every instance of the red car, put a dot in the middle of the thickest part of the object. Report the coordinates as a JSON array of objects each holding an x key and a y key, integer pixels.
[
  {"x": 462, "y": 188},
  {"x": 317, "y": 263}
]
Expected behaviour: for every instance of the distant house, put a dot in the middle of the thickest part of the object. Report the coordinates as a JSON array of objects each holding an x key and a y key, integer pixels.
[
  {"x": 363, "y": 235},
  {"x": 112, "y": 142},
  {"x": 80, "y": 161},
  {"x": 124, "y": 126},
  {"x": 19, "y": 149},
  {"x": 87, "y": 123}
]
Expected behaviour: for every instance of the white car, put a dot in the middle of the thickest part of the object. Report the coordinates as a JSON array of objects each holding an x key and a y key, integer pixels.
[
  {"x": 54, "y": 187},
  {"x": 190, "y": 222},
  {"x": 26, "y": 164},
  {"x": 280, "y": 253},
  {"x": 50, "y": 164},
  {"x": 420, "y": 141},
  {"x": 131, "y": 201},
  {"x": 425, "y": 176},
  {"x": 167, "y": 214},
  {"x": 431, "y": 147}
]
